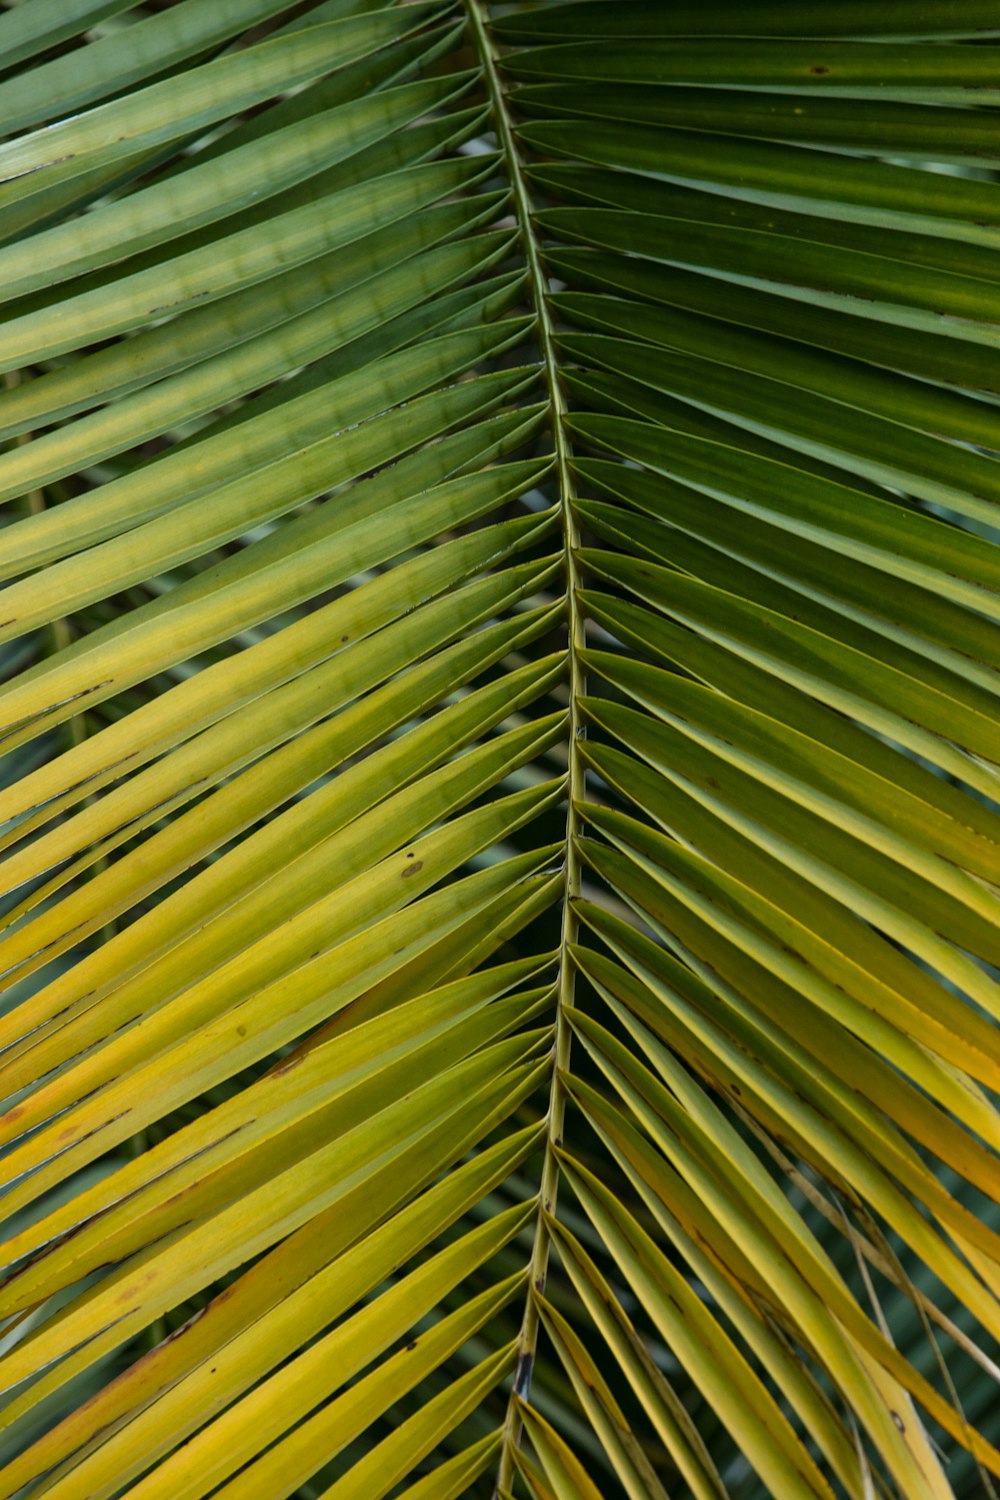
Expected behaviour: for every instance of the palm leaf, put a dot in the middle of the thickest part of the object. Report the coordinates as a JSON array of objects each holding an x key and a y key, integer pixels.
[{"x": 500, "y": 723}]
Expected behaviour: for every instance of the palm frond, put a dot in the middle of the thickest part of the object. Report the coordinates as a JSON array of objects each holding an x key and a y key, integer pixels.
[{"x": 501, "y": 728}]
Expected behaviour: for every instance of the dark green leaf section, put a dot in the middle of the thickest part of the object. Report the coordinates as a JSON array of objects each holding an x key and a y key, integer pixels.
[
  {"x": 935, "y": 75},
  {"x": 639, "y": 20},
  {"x": 964, "y": 136}
]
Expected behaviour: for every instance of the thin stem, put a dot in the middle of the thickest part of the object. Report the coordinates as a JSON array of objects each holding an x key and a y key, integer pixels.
[{"x": 571, "y": 540}]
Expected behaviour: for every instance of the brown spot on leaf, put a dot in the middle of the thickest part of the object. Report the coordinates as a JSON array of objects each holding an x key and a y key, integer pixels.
[
  {"x": 417, "y": 864},
  {"x": 293, "y": 1060}
]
